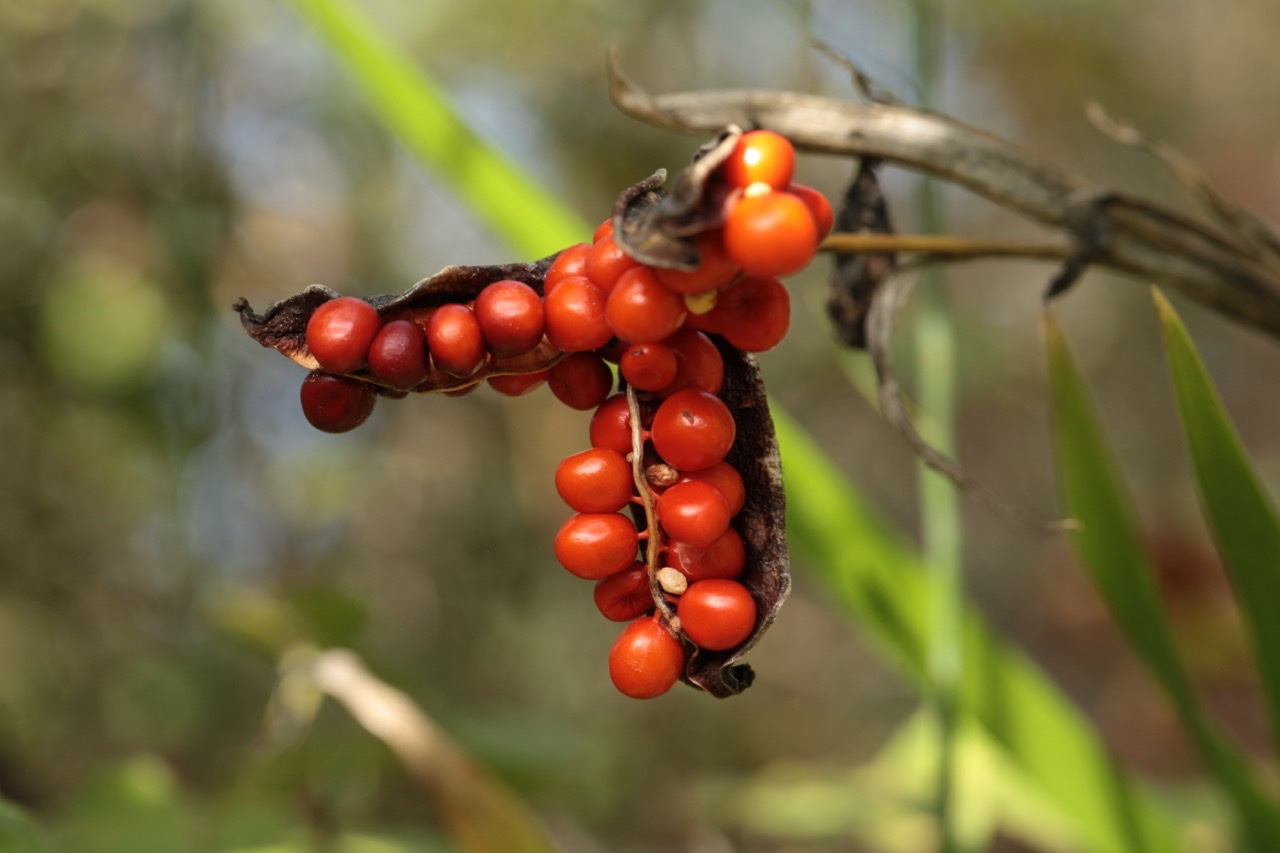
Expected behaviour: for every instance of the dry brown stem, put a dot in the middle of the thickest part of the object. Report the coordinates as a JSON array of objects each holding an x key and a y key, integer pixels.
[
  {"x": 478, "y": 811},
  {"x": 1221, "y": 267}
]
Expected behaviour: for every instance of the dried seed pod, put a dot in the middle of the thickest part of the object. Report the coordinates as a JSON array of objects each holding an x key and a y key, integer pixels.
[
  {"x": 659, "y": 228},
  {"x": 855, "y": 278},
  {"x": 282, "y": 326},
  {"x": 762, "y": 522}
]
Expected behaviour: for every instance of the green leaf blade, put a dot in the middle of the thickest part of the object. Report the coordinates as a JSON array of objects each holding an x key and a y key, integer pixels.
[
  {"x": 1108, "y": 539},
  {"x": 1110, "y": 547},
  {"x": 527, "y": 217},
  {"x": 1239, "y": 511}
]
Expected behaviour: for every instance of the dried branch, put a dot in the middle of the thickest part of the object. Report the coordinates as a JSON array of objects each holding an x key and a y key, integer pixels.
[
  {"x": 1220, "y": 269},
  {"x": 1261, "y": 237},
  {"x": 941, "y": 247},
  {"x": 862, "y": 81},
  {"x": 652, "y": 545},
  {"x": 893, "y": 292},
  {"x": 479, "y": 812}
]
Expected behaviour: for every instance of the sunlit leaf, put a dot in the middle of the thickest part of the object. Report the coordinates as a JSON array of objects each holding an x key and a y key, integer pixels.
[
  {"x": 873, "y": 575},
  {"x": 1239, "y": 510},
  {"x": 133, "y": 806},
  {"x": 1110, "y": 548},
  {"x": 885, "y": 803}
]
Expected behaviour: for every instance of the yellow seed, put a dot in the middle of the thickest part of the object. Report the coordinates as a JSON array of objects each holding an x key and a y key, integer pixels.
[
  {"x": 700, "y": 303},
  {"x": 672, "y": 580}
]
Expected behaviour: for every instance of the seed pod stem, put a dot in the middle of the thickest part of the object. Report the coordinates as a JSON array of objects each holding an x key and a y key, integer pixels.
[{"x": 653, "y": 544}]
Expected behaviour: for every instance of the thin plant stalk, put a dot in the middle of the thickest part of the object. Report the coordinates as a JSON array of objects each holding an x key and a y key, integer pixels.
[{"x": 943, "y": 542}]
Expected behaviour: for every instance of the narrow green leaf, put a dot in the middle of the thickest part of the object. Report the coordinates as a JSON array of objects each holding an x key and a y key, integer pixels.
[
  {"x": 881, "y": 583},
  {"x": 1110, "y": 548},
  {"x": 18, "y": 833},
  {"x": 528, "y": 218},
  {"x": 1108, "y": 539},
  {"x": 1241, "y": 514}
]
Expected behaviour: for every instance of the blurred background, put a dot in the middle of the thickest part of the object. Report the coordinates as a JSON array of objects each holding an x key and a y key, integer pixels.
[{"x": 170, "y": 525}]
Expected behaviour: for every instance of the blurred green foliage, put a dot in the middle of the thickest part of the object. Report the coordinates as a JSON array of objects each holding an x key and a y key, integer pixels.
[{"x": 170, "y": 524}]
